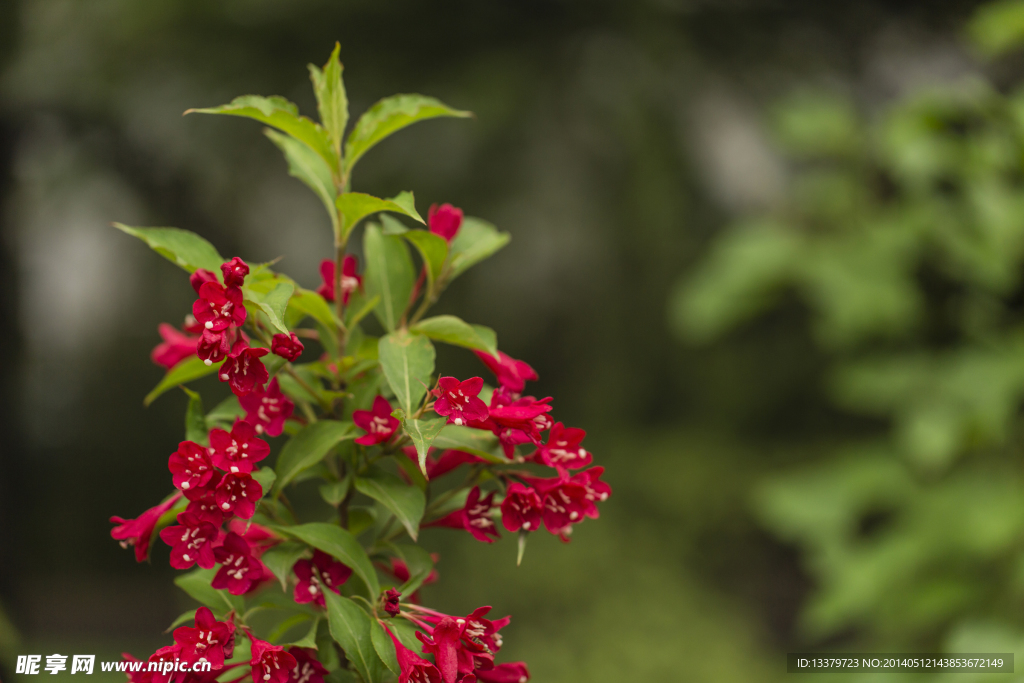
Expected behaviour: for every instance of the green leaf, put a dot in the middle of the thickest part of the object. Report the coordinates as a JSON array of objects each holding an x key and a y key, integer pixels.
[
  {"x": 350, "y": 627},
  {"x": 407, "y": 360},
  {"x": 405, "y": 631},
  {"x": 224, "y": 413},
  {"x": 433, "y": 249},
  {"x": 476, "y": 441},
  {"x": 384, "y": 646},
  {"x": 288, "y": 624},
  {"x": 331, "y": 100},
  {"x": 309, "y": 640},
  {"x": 389, "y": 115},
  {"x": 195, "y": 422},
  {"x": 423, "y": 433},
  {"x": 185, "y": 371},
  {"x": 420, "y": 564},
  {"x": 392, "y": 226},
  {"x": 310, "y": 303},
  {"x": 475, "y": 241},
  {"x": 281, "y": 558},
  {"x": 183, "y": 618},
  {"x": 197, "y": 584},
  {"x": 309, "y": 447},
  {"x": 310, "y": 168},
  {"x": 452, "y": 330},
  {"x": 405, "y": 502},
  {"x": 389, "y": 274},
  {"x": 998, "y": 27},
  {"x": 265, "y": 477},
  {"x": 355, "y": 206},
  {"x": 181, "y": 247},
  {"x": 274, "y": 303},
  {"x": 340, "y": 544},
  {"x": 281, "y": 114},
  {"x": 335, "y": 492},
  {"x": 359, "y": 306},
  {"x": 521, "y": 550}
]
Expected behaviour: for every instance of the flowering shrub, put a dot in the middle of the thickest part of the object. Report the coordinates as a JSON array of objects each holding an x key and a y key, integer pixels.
[{"x": 358, "y": 414}]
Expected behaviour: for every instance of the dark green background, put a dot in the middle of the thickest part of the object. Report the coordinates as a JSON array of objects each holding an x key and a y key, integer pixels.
[{"x": 612, "y": 139}]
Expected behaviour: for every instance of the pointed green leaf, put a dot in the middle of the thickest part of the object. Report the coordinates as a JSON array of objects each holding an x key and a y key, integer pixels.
[
  {"x": 274, "y": 303},
  {"x": 335, "y": 492},
  {"x": 405, "y": 502},
  {"x": 185, "y": 371},
  {"x": 392, "y": 226},
  {"x": 359, "y": 306},
  {"x": 281, "y": 114},
  {"x": 287, "y": 625},
  {"x": 181, "y": 247},
  {"x": 452, "y": 330},
  {"x": 433, "y": 249},
  {"x": 309, "y": 447},
  {"x": 389, "y": 115},
  {"x": 355, "y": 206},
  {"x": 312, "y": 304},
  {"x": 310, "y": 168},
  {"x": 407, "y": 360},
  {"x": 309, "y": 640},
  {"x": 476, "y": 441},
  {"x": 389, "y": 274},
  {"x": 197, "y": 584},
  {"x": 384, "y": 646},
  {"x": 523, "y": 534},
  {"x": 281, "y": 558},
  {"x": 419, "y": 563},
  {"x": 331, "y": 100},
  {"x": 183, "y": 618},
  {"x": 224, "y": 413},
  {"x": 195, "y": 423},
  {"x": 350, "y": 628},
  {"x": 475, "y": 241},
  {"x": 423, "y": 433},
  {"x": 338, "y": 543}
]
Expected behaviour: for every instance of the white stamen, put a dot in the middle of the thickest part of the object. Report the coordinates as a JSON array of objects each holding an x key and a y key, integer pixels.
[
  {"x": 209, "y": 324},
  {"x": 208, "y": 361}
]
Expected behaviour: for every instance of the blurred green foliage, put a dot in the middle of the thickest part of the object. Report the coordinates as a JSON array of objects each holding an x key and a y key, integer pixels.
[{"x": 903, "y": 236}]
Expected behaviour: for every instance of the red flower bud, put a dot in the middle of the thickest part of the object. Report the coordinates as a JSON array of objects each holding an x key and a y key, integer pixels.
[{"x": 287, "y": 346}]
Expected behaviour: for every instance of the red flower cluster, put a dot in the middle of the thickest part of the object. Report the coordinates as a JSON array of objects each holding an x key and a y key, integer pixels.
[
  {"x": 558, "y": 502},
  {"x": 463, "y": 649},
  {"x": 313, "y": 575}
]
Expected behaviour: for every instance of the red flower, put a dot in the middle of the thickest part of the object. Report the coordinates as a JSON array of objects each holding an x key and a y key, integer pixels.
[
  {"x": 525, "y": 414},
  {"x": 218, "y": 308},
  {"x": 443, "y": 643},
  {"x": 513, "y": 672},
  {"x": 511, "y": 373},
  {"x": 378, "y": 423},
  {"x": 350, "y": 281},
  {"x": 414, "y": 669},
  {"x": 175, "y": 348},
  {"x": 521, "y": 509},
  {"x": 563, "y": 448},
  {"x": 459, "y": 401},
  {"x": 170, "y": 653},
  {"x": 238, "y": 494},
  {"x": 565, "y": 504},
  {"x": 201, "y": 277},
  {"x": 260, "y": 538},
  {"x": 267, "y": 409},
  {"x": 139, "y": 531},
  {"x": 288, "y": 347},
  {"x": 596, "y": 490},
  {"x": 449, "y": 460},
  {"x": 213, "y": 347},
  {"x": 191, "y": 542},
  {"x": 270, "y": 663},
  {"x": 203, "y": 501},
  {"x": 308, "y": 668},
  {"x": 444, "y": 220},
  {"x": 234, "y": 272},
  {"x": 243, "y": 369},
  {"x": 475, "y": 517},
  {"x": 391, "y": 604},
  {"x": 322, "y": 570},
  {"x": 209, "y": 640},
  {"x": 238, "y": 451},
  {"x": 190, "y": 466},
  {"x": 239, "y": 571}
]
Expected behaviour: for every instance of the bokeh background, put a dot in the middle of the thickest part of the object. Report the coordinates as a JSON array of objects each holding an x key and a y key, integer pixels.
[{"x": 767, "y": 252}]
